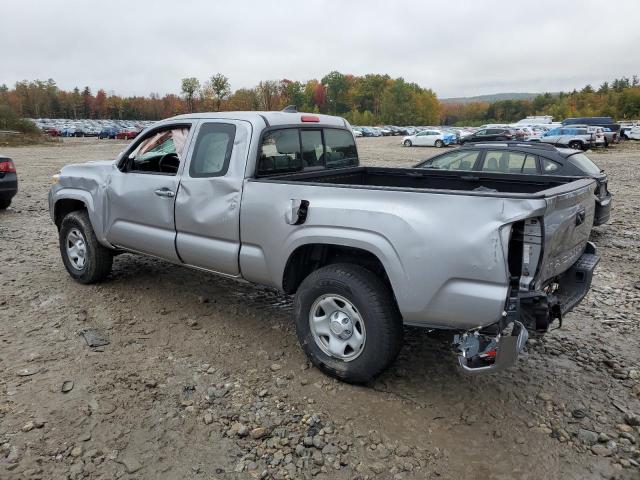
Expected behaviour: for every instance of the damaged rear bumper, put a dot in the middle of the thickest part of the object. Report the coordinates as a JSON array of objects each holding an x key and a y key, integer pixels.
[{"x": 497, "y": 347}]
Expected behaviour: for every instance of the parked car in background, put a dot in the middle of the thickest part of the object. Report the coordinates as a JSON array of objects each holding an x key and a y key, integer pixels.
[
  {"x": 634, "y": 133},
  {"x": 108, "y": 132},
  {"x": 127, "y": 134},
  {"x": 356, "y": 132},
  {"x": 429, "y": 138},
  {"x": 599, "y": 140},
  {"x": 527, "y": 159},
  {"x": 68, "y": 132},
  {"x": 8, "y": 181},
  {"x": 489, "y": 135},
  {"x": 610, "y": 136},
  {"x": 52, "y": 131},
  {"x": 576, "y": 138},
  {"x": 592, "y": 121}
]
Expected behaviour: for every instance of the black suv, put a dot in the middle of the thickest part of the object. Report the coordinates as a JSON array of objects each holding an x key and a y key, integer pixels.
[
  {"x": 527, "y": 159},
  {"x": 490, "y": 135}
]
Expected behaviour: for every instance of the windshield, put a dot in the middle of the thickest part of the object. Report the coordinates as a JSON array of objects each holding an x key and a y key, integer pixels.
[{"x": 584, "y": 163}]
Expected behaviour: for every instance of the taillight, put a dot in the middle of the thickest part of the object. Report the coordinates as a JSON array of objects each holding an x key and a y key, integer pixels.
[{"x": 7, "y": 166}]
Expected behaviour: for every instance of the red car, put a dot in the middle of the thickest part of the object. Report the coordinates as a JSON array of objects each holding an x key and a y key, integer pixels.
[
  {"x": 127, "y": 134},
  {"x": 52, "y": 131}
]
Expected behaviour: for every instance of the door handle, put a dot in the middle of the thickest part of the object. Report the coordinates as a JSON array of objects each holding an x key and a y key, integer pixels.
[
  {"x": 164, "y": 192},
  {"x": 580, "y": 217}
]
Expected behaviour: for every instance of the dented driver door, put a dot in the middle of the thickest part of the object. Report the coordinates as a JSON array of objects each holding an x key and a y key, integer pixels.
[
  {"x": 207, "y": 207},
  {"x": 141, "y": 192}
]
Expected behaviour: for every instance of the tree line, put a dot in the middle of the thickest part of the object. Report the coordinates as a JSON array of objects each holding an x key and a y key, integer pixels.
[
  {"x": 619, "y": 99},
  {"x": 370, "y": 99}
]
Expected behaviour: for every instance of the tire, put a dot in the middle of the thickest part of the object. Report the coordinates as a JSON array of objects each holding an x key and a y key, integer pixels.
[
  {"x": 96, "y": 259},
  {"x": 439, "y": 143},
  {"x": 407, "y": 143},
  {"x": 5, "y": 202},
  {"x": 372, "y": 312},
  {"x": 575, "y": 145}
]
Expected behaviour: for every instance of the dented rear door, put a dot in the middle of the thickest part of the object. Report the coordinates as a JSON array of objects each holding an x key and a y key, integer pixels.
[{"x": 207, "y": 209}]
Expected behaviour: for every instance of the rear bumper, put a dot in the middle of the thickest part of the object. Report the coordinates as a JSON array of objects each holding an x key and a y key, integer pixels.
[
  {"x": 531, "y": 311},
  {"x": 603, "y": 210},
  {"x": 8, "y": 185},
  {"x": 539, "y": 309}
]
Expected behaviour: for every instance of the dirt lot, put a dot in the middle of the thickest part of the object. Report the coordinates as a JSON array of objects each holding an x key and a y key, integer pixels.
[{"x": 203, "y": 378}]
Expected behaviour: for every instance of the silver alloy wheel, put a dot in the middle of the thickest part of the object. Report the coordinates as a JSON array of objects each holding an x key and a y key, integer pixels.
[
  {"x": 337, "y": 327},
  {"x": 76, "y": 248}
]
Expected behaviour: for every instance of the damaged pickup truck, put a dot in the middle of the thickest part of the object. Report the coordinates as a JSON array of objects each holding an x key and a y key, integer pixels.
[{"x": 279, "y": 199}]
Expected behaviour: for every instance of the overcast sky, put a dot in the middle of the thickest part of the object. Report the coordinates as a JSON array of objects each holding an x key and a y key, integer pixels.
[{"x": 457, "y": 48}]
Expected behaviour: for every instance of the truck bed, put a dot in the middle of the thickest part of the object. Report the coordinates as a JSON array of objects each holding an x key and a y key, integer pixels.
[{"x": 449, "y": 182}]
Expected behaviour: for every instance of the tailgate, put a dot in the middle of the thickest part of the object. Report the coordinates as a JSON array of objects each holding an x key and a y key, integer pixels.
[{"x": 568, "y": 220}]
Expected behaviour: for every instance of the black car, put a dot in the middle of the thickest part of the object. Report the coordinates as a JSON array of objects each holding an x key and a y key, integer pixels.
[
  {"x": 523, "y": 159},
  {"x": 490, "y": 135},
  {"x": 8, "y": 182}
]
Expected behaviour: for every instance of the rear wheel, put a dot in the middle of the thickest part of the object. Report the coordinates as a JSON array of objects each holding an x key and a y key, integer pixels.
[
  {"x": 347, "y": 322},
  {"x": 575, "y": 145},
  {"x": 86, "y": 260},
  {"x": 407, "y": 143},
  {"x": 5, "y": 202},
  {"x": 439, "y": 143}
]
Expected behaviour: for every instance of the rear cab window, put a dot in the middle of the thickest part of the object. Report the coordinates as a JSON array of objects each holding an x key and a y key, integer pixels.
[{"x": 289, "y": 150}]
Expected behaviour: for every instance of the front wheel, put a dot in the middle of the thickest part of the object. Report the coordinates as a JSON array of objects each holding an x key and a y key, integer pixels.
[
  {"x": 439, "y": 143},
  {"x": 347, "y": 322},
  {"x": 575, "y": 145},
  {"x": 86, "y": 260},
  {"x": 407, "y": 143}
]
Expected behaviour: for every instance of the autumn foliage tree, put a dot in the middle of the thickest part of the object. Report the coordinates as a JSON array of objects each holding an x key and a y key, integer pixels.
[{"x": 372, "y": 99}]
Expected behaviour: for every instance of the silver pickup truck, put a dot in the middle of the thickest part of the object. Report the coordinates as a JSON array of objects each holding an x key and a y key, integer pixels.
[{"x": 279, "y": 199}]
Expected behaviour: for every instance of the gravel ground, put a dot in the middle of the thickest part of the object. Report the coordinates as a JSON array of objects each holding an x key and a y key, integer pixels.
[{"x": 202, "y": 377}]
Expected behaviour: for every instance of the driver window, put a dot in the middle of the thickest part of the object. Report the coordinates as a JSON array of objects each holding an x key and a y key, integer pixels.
[{"x": 159, "y": 153}]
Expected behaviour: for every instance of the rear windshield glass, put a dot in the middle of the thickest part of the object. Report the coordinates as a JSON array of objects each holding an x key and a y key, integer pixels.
[
  {"x": 340, "y": 148},
  {"x": 297, "y": 149},
  {"x": 583, "y": 162}
]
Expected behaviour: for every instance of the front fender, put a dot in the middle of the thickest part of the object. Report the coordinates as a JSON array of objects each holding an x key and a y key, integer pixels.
[{"x": 59, "y": 193}]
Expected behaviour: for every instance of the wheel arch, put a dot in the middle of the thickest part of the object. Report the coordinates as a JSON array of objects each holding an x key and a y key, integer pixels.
[
  {"x": 70, "y": 201},
  {"x": 309, "y": 257}
]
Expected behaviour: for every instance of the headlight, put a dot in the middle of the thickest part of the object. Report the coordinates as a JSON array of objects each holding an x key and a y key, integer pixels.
[{"x": 55, "y": 178}]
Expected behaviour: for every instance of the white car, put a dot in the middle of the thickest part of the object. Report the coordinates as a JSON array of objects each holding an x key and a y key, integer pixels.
[
  {"x": 634, "y": 133},
  {"x": 430, "y": 138}
]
